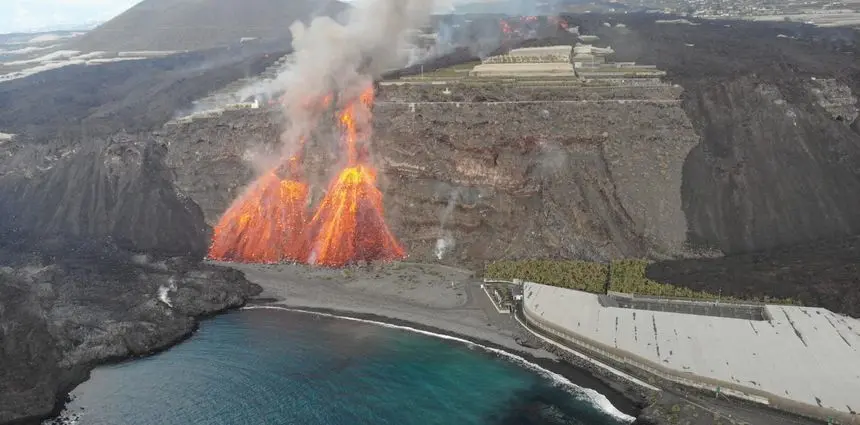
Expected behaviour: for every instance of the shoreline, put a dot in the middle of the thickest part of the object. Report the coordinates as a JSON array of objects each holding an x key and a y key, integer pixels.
[
  {"x": 579, "y": 377},
  {"x": 440, "y": 299},
  {"x": 82, "y": 373},
  {"x": 310, "y": 293}
]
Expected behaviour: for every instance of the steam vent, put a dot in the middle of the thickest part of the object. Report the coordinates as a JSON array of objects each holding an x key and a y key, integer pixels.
[{"x": 269, "y": 223}]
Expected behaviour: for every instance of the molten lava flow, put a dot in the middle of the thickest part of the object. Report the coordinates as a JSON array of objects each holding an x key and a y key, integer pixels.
[
  {"x": 349, "y": 225},
  {"x": 265, "y": 225}
]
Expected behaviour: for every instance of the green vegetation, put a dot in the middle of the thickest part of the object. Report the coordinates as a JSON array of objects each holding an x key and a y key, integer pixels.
[
  {"x": 579, "y": 275},
  {"x": 625, "y": 276}
]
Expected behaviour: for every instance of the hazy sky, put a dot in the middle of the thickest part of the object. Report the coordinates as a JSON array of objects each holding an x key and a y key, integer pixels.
[{"x": 24, "y": 15}]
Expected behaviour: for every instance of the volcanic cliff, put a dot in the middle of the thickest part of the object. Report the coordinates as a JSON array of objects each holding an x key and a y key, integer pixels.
[
  {"x": 745, "y": 149},
  {"x": 99, "y": 260}
]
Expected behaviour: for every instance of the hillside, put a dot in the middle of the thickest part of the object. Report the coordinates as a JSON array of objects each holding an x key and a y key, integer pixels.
[
  {"x": 194, "y": 24},
  {"x": 753, "y": 151},
  {"x": 133, "y": 96}
]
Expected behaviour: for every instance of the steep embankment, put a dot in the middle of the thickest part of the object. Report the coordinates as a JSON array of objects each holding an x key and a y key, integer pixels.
[
  {"x": 116, "y": 190},
  {"x": 471, "y": 182},
  {"x": 133, "y": 96},
  {"x": 773, "y": 181},
  {"x": 773, "y": 104},
  {"x": 774, "y": 168},
  {"x": 71, "y": 293}
]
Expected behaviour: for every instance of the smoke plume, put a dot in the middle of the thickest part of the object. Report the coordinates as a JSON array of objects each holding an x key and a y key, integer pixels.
[
  {"x": 446, "y": 239},
  {"x": 343, "y": 58}
]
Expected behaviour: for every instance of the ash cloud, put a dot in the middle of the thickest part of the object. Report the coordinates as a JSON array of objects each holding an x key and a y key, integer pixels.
[{"x": 331, "y": 57}]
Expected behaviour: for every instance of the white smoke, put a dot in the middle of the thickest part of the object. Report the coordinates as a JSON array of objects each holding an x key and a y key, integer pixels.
[
  {"x": 446, "y": 239},
  {"x": 334, "y": 58},
  {"x": 164, "y": 292},
  {"x": 444, "y": 244}
]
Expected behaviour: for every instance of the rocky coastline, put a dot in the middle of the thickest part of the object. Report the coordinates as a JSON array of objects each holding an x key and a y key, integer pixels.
[
  {"x": 61, "y": 320},
  {"x": 100, "y": 261}
]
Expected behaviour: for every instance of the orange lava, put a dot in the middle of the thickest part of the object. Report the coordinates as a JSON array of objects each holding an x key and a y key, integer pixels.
[
  {"x": 265, "y": 225},
  {"x": 268, "y": 224},
  {"x": 349, "y": 225}
]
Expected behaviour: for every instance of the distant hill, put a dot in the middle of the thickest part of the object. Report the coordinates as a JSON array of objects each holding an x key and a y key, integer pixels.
[{"x": 200, "y": 24}]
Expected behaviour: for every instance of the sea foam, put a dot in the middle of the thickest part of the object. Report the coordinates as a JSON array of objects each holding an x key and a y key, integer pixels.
[{"x": 589, "y": 395}]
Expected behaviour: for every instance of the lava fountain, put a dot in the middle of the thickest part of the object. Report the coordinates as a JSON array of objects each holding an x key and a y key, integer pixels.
[
  {"x": 349, "y": 224},
  {"x": 267, "y": 223}
]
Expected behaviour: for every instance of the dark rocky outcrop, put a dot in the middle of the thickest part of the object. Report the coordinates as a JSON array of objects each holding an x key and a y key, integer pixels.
[
  {"x": 117, "y": 189},
  {"x": 58, "y": 320},
  {"x": 776, "y": 162},
  {"x": 773, "y": 169},
  {"x": 823, "y": 273},
  {"x": 99, "y": 261}
]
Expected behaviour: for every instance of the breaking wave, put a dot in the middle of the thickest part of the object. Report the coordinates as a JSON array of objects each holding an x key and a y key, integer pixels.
[{"x": 595, "y": 398}]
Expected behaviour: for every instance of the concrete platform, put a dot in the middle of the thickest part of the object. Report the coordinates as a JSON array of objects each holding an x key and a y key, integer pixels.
[{"x": 805, "y": 355}]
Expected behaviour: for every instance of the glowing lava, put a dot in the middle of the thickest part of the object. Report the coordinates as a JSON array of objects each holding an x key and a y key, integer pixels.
[
  {"x": 349, "y": 225},
  {"x": 268, "y": 224},
  {"x": 265, "y": 225}
]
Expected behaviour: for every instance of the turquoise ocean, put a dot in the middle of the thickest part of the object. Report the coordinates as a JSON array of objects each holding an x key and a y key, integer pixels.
[{"x": 270, "y": 366}]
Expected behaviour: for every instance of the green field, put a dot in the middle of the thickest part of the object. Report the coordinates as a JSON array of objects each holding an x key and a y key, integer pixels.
[{"x": 579, "y": 275}]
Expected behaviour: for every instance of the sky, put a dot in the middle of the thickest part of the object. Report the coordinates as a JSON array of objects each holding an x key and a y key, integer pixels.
[{"x": 29, "y": 15}]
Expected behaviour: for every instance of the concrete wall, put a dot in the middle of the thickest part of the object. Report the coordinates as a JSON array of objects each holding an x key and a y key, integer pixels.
[{"x": 804, "y": 360}]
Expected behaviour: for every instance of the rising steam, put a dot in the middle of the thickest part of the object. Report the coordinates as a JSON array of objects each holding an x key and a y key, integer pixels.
[
  {"x": 446, "y": 240},
  {"x": 330, "y": 57}
]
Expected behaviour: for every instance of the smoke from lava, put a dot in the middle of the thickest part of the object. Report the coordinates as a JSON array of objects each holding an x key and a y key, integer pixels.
[{"x": 333, "y": 66}]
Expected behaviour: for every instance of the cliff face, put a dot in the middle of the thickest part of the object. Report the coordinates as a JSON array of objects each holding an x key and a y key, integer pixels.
[
  {"x": 774, "y": 168},
  {"x": 738, "y": 164},
  {"x": 71, "y": 293},
  {"x": 580, "y": 174},
  {"x": 592, "y": 179},
  {"x": 116, "y": 190}
]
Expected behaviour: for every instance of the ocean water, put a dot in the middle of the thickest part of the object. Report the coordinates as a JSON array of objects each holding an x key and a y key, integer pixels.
[{"x": 265, "y": 366}]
